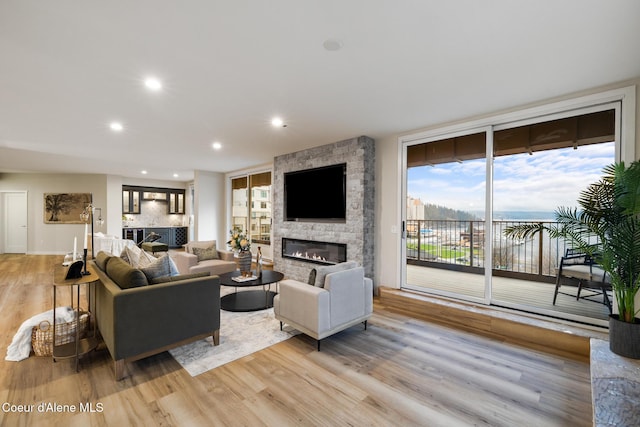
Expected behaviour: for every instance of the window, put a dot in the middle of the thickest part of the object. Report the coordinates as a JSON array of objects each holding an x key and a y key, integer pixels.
[
  {"x": 251, "y": 208},
  {"x": 457, "y": 199}
]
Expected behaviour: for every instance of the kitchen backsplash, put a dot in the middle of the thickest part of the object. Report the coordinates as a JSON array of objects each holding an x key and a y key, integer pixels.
[{"x": 154, "y": 214}]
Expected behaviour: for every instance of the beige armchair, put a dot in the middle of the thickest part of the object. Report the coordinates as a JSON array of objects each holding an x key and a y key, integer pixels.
[
  {"x": 204, "y": 256},
  {"x": 340, "y": 297}
]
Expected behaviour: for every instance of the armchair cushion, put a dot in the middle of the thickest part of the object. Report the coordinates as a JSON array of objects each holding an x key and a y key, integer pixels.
[
  {"x": 318, "y": 274},
  {"x": 202, "y": 244},
  {"x": 204, "y": 254}
]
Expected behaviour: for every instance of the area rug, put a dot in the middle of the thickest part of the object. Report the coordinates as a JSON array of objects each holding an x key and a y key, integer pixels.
[{"x": 241, "y": 334}]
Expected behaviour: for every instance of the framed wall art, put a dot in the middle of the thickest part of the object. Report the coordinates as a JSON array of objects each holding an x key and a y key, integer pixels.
[{"x": 65, "y": 208}]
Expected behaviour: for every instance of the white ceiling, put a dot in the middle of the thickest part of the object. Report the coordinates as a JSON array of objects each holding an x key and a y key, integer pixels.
[{"x": 69, "y": 67}]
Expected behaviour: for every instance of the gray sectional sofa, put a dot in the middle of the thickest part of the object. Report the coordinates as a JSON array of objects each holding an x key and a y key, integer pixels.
[{"x": 138, "y": 319}]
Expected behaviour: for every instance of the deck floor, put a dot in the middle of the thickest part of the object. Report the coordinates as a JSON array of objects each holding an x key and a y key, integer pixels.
[{"x": 531, "y": 296}]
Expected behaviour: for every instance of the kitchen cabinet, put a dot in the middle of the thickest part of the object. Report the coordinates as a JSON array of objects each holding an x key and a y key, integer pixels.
[
  {"x": 164, "y": 232},
  {"x": 175, "y": 237},
  {"x": 160, "y": 196},
  {"x": 179, "y": 236},
  {"x": 176, "y": 202},
  {"x": 130, "y": 201}
]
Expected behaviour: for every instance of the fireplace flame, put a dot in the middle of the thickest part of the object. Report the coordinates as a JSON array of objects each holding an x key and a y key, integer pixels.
[{"x": 307, "y": 256}]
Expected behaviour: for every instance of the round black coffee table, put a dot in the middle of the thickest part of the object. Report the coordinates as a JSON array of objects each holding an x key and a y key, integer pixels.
[{"x": 252, "y": 300}]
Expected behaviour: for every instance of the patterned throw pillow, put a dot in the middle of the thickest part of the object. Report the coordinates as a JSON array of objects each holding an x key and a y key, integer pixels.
[
  {"x": 145, "y": 259},
  {"x": 199, "y": 244},
  {"x": 131, "y": 254},
  {"x": 172, "y": 265},
  {"x": 160, "y": 267},
  {"x": 204, "y": 254}
]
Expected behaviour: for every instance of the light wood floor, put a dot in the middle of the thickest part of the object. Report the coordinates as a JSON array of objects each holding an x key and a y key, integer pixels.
[{"x": 400, "y": 372}]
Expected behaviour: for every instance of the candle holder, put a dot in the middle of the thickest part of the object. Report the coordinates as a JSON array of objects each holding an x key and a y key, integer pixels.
[{"x": 84, "y": 257}]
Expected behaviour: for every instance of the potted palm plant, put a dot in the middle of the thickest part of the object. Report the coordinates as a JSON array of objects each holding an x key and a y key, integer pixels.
[{"x": 609, "y": 212}]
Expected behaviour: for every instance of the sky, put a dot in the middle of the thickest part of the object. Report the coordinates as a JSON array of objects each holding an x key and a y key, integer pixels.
[{"x": 538, "y": 182}]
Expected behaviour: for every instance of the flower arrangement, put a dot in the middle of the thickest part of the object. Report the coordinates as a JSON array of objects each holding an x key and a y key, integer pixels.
[{"x": 238, "y": 241}]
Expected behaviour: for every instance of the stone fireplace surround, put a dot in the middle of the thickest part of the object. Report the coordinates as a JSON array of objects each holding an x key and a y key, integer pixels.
[{"x": 357, "y": 232}]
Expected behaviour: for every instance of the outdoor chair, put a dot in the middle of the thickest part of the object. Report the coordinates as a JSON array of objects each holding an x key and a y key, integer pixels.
[{"x": 579, "y": 269}]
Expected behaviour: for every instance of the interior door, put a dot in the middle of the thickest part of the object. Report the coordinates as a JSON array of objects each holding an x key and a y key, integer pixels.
[{"x": 15, "y": 205}]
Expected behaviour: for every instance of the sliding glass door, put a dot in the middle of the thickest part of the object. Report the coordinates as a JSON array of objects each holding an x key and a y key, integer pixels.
[
  {"x": 444, "y": 225},
  {"x": 458, "y": 201},
  {"x": 539, "y": 167}
]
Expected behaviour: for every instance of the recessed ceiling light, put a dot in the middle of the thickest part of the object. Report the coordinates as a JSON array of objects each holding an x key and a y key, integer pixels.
[
  {"x": 216, "y": 145},
  {"x": 332, "y": 44},
  {"x": 175, "y": 175},
  {"x": 278, "y": 123},
  {"x": 116, "y": 126},
  {"x": 143, "y": 172},
  {"x": 153, "y": 84}
]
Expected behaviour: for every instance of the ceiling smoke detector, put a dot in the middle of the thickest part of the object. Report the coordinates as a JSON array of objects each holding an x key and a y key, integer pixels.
[{"x": 332, "y": 45}]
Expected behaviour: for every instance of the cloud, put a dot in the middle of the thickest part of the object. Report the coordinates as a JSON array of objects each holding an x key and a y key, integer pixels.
[{"x": 539, "y": 182}]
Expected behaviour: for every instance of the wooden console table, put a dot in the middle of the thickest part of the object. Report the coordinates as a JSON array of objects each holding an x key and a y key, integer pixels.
[{"x": 79, "y": 347}]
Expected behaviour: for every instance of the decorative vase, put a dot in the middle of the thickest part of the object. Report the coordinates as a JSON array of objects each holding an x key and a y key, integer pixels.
[
  {"x": 624, "y": 337},
  {"x": 244, "y": 263}
]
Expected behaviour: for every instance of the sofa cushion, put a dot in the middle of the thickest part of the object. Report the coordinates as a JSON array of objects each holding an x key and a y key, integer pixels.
[
  {"x": 125, "y": 275},
  {"x": 200, "y": 244},
  {"x": 101, "y": 260},
  {"x": 177, "y": 278},
  {"x": 204, "y": 254},
  {"x": 321, "y": 272},
  {"x": 160, "y": 267}
]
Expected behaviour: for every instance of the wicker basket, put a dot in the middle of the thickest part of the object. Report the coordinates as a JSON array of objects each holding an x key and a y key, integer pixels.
[{"x": 42, "y": 336}]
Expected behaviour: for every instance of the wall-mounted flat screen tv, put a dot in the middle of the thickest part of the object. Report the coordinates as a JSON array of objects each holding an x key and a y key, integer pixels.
[{"x": 318, "y": 194}]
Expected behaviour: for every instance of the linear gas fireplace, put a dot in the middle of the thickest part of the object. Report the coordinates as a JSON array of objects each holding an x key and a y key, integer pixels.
[{"x": 314, "y": 251}]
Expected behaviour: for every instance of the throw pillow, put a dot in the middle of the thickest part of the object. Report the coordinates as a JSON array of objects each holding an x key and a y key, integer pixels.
[
  {"x": 200, "y": 244},
  {"x": 101, "y": 260},
  {"x": 312, "y": 277},
  {"x": 204, "y": 254},
  {"x": 321, "y": 272},
  {"x": 172, "y": 266},
  {"x": 161, "y": 267},
  {"x": 124, "y": 275},
  {"x": 131, "y": 255},
  {"x": 145, "y": 259}
]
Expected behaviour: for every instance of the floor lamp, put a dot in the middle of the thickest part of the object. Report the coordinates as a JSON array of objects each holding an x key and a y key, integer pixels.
[{"x": 88, "y": 214}]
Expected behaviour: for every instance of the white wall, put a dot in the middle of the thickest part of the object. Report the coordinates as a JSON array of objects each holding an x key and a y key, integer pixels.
[
  {"x": 107, "y": 195},
  {"x": 52, "y": 238},
  {"x": 209, "y": 207},
  {"x": 113, "y": 214}
]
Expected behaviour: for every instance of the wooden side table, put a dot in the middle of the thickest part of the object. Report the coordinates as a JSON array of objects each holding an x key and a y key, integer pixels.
[{"x": 79, "y": 347}]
